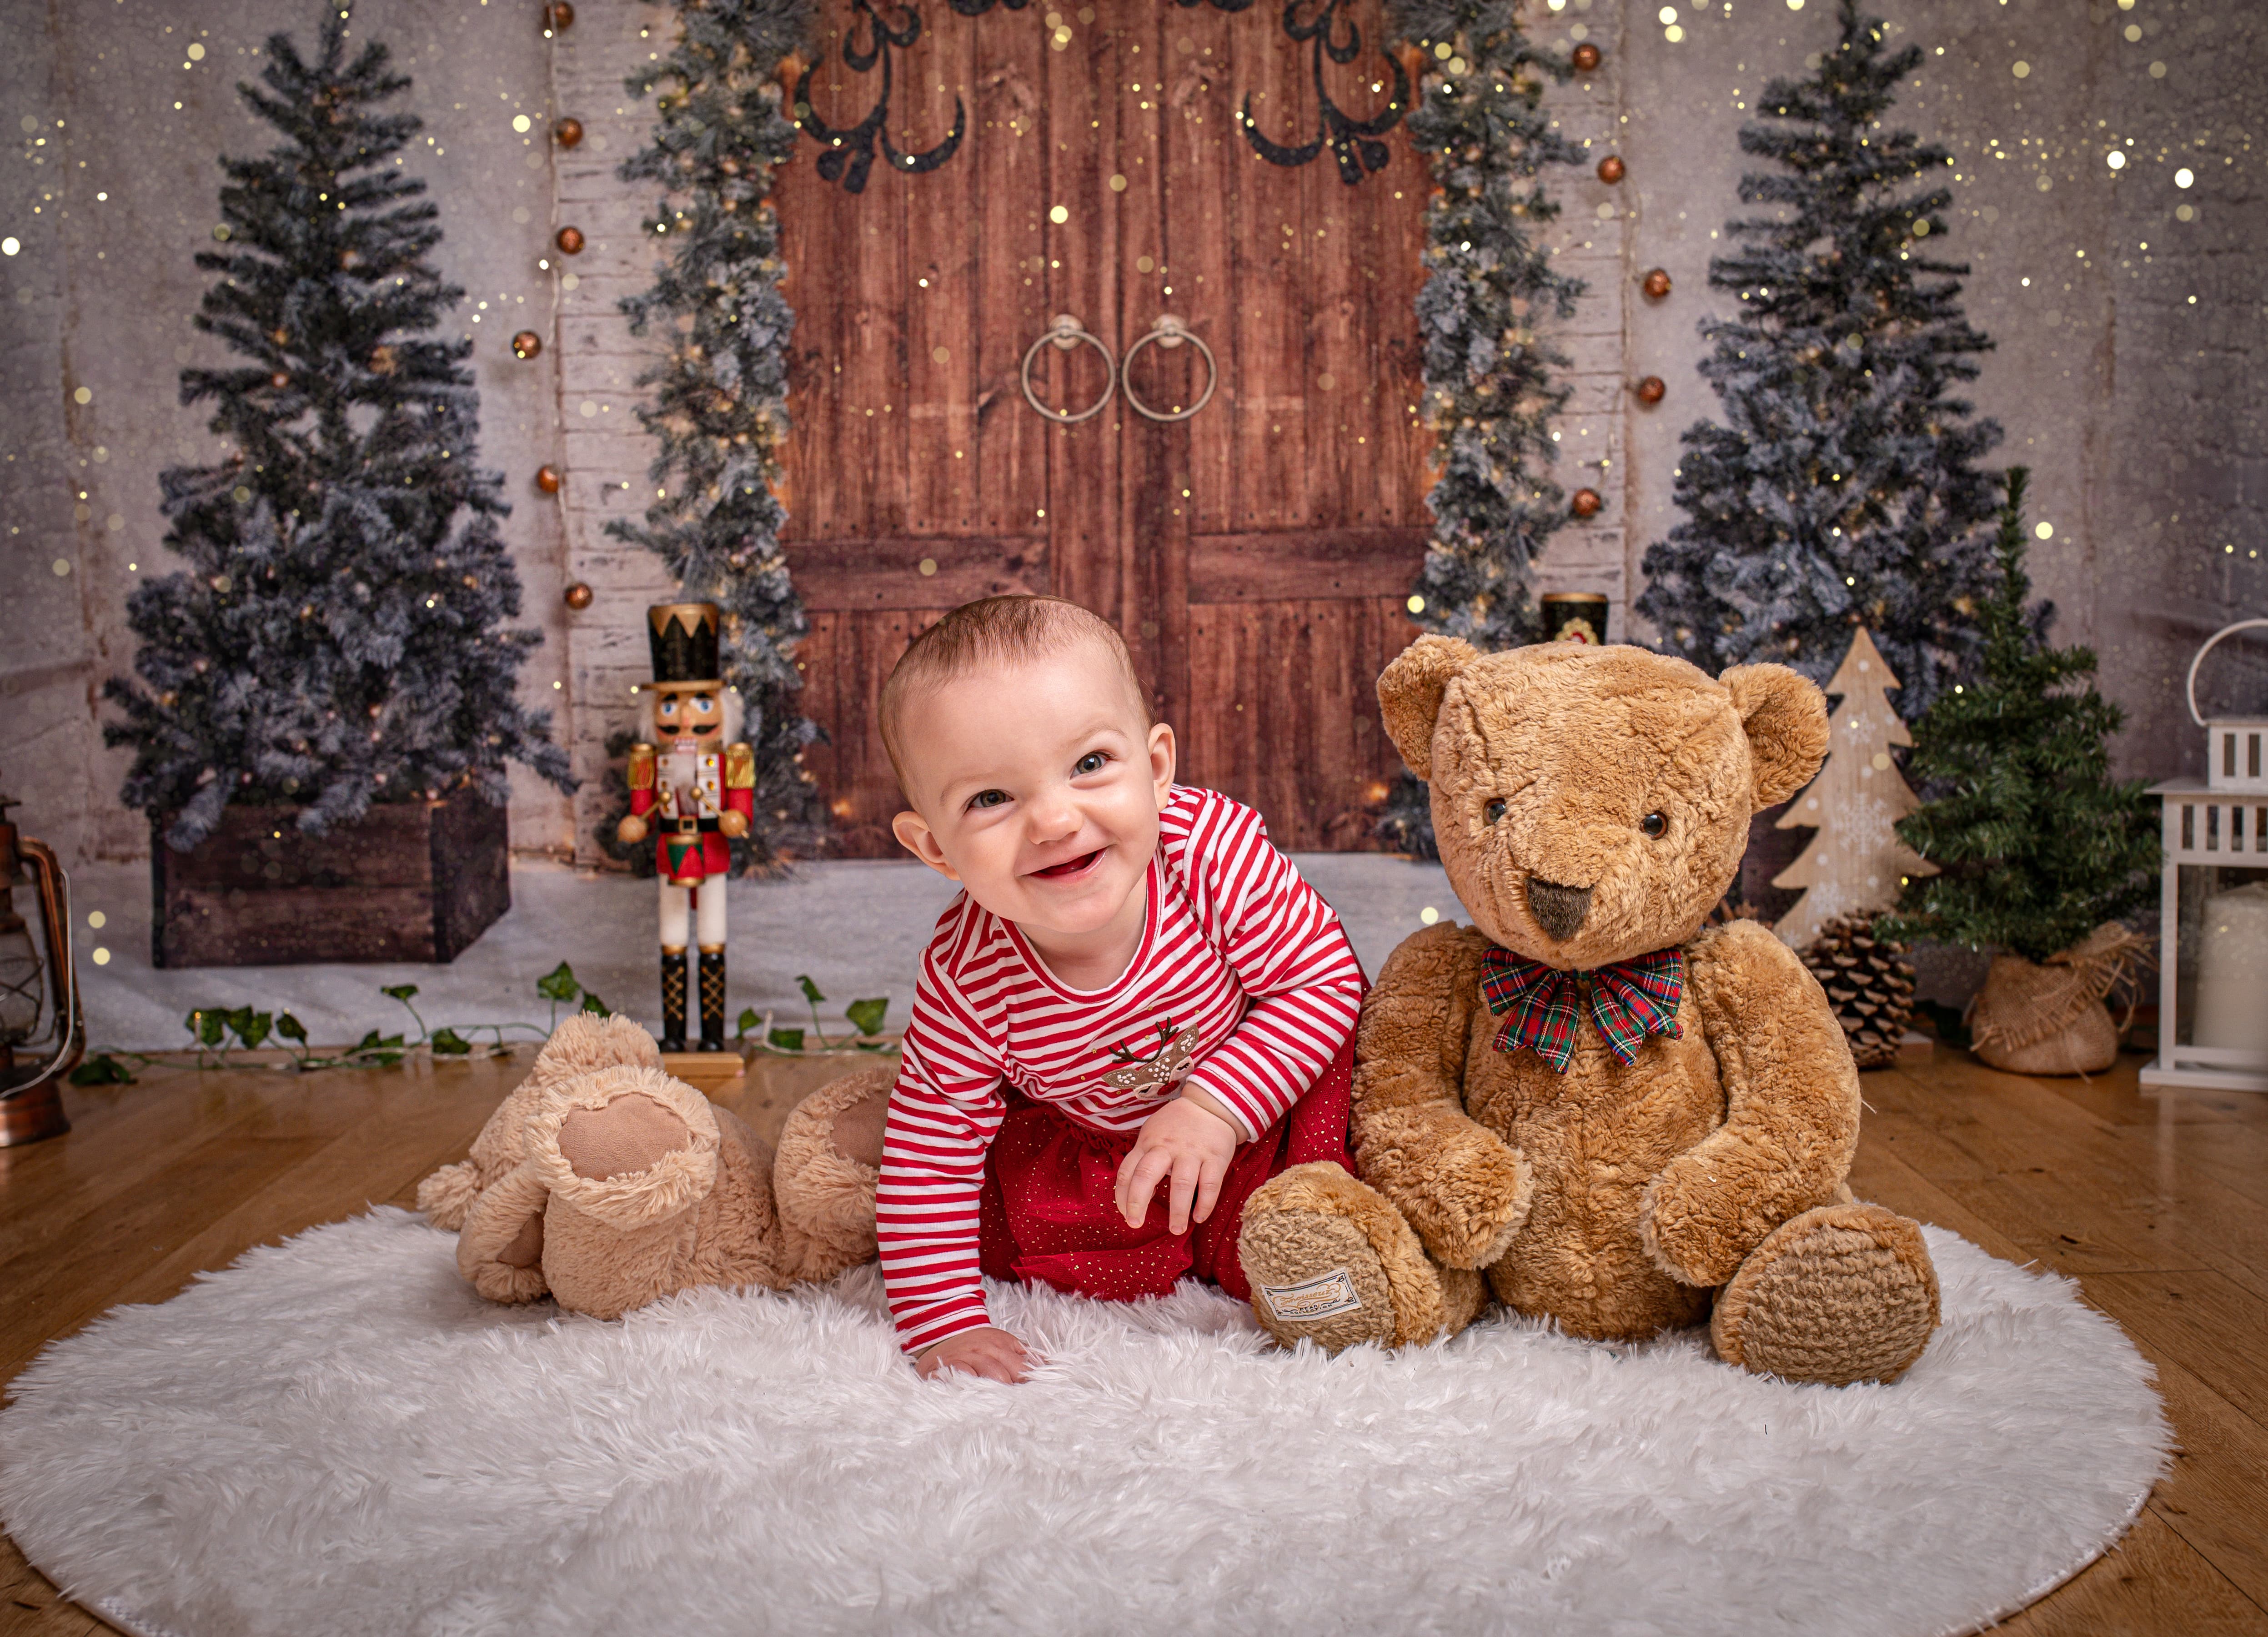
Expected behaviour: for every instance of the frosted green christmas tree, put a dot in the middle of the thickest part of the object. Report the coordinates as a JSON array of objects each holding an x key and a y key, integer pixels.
[
  {"x": 334, "y": 639},
  {"x": 720, "y": 390},
  {"x": 1842, "y": 490},
  {"x": 1489, "y": 371},
  {"x": 1491, "y": 385}
]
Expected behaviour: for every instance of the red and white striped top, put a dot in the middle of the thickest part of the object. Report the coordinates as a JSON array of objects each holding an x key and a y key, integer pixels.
[{"x": 1244, "y": 985}]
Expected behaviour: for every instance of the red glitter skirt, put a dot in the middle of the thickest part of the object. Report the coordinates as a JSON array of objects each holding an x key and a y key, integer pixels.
[{"x": 1048, "y": 1211}]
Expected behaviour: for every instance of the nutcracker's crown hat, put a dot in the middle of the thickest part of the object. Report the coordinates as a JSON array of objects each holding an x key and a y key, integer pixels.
[{"x": 683, "y": 637}]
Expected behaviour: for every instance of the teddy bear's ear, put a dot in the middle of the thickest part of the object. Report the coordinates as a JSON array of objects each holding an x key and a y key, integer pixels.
[
  {"x": 1410, "y": 695},
  {"x": 1785, "y": 717}
]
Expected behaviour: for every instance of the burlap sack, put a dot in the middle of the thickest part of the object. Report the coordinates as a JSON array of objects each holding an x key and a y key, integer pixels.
[{"x": 2049, "y": 1018}]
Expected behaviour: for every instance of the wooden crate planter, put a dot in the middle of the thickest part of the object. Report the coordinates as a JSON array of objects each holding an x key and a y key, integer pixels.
[{"x": 411, "y": 881}]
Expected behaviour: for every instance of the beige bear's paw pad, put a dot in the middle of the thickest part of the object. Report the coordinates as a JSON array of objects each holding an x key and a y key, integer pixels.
[{"x": 1841, "y": 1294}]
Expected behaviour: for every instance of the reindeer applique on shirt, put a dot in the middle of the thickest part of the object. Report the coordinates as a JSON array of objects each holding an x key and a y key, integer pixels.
[{"x": 1167, "y": 1063}]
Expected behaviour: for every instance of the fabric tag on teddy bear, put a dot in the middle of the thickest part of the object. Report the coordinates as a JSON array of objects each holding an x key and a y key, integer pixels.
[{"x": 1314, "y": 1299}]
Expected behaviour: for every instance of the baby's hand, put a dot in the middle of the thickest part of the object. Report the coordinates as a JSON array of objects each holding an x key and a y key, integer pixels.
[
  {"x": 992, "y": 1353},
  {"x": 1186, "y": 1143}
]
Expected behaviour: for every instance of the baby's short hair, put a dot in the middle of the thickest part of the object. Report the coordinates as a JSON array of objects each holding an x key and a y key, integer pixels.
[{"x": 995, "y": 631}]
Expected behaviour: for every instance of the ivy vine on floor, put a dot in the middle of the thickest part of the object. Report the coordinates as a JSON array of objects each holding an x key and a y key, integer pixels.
[{"x": 218, "y": 1033}]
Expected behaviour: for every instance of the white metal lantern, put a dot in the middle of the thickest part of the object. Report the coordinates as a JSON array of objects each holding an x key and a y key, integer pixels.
[{"x": 2212, "y": 983}]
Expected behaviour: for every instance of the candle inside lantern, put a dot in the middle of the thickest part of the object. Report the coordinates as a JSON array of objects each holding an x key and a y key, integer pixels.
[{"x": 2233, "y": 970}]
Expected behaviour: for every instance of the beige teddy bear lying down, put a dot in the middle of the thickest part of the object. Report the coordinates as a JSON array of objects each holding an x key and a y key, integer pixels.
[{"x": 607, "y": 1184}]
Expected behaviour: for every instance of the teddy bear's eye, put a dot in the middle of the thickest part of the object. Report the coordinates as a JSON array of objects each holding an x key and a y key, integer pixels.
[
  {"x": 1653, "y": 823},
  {"x": 1494, "y": 810}
]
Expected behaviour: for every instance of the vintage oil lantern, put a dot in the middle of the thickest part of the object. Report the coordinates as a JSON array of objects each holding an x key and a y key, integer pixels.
[{"x": 41, "y": 1031}]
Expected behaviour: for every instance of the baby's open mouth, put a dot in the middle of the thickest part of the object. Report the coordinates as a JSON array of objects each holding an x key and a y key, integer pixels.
[{"x": 1078, "y": 866}]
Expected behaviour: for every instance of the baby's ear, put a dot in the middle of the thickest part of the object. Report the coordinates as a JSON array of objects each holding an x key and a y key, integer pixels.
[
  {"x": 1784, "y": 716},
  {"x": 1410, "y": 695}
]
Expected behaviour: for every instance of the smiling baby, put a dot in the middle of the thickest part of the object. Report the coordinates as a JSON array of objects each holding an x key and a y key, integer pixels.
[{"x": 1134, "y": 1015}]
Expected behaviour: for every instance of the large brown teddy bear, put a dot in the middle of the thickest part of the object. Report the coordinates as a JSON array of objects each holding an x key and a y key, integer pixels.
[
  {"x": 1591, "y": 804},
  {"x": 607, "y": 1184}
]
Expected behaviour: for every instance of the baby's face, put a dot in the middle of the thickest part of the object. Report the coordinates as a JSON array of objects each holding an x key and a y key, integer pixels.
[{"x": 1038, "y": 788}]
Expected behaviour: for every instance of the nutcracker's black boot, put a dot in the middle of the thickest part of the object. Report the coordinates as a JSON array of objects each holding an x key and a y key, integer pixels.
[
  {"x": 673, "y": 1000},
  {"x": 712, "y": 1001}
]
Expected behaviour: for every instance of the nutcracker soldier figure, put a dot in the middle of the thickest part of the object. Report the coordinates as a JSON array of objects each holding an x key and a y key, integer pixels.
[{"x": 692, "y": 784}]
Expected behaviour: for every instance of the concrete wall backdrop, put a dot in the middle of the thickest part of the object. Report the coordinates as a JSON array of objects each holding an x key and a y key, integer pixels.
[{"x": 2125, "y": 374}]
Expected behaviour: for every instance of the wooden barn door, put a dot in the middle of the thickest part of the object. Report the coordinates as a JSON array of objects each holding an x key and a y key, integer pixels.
[{"x": 1256, "y": 553}]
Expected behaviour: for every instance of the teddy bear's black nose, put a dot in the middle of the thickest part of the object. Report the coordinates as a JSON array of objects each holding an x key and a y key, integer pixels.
[{"x": 1557, "y": 909}]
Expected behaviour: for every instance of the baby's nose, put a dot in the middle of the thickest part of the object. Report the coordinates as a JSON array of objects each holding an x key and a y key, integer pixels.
[{"x": 1053, "y": 818}]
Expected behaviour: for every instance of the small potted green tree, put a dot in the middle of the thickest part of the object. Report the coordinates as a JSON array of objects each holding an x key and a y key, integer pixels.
[{"x": 2040, "y": 853}]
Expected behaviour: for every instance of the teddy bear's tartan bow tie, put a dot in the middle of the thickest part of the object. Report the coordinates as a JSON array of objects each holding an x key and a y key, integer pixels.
[{"x": 1629, "y": 1001}]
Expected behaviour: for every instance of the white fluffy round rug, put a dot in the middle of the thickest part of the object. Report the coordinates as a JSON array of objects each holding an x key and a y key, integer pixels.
[{"x": 337, "y": 1436}]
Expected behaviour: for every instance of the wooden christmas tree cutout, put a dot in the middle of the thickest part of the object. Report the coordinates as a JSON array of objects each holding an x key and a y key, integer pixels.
[{"x": 1856, "y": 864}]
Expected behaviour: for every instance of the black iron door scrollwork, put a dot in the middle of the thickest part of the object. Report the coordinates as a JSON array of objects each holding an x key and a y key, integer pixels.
[
  {"x": 1353, "y": 143},
  {"x": 850, "y": 151}
]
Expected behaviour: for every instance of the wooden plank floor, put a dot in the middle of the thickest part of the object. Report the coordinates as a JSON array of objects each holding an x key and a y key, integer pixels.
[{"x": 2157, "y": 1205}]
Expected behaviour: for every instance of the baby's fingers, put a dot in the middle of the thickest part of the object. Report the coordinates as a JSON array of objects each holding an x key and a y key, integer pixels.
[
  {"x": 1209, "y": 1182},
  {"x": 1189, "y": 1173},
  {"x": 1139, "y": 1178}
]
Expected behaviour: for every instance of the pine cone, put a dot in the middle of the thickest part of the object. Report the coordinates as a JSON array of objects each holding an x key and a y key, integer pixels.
[{"x": 1870, "y": 987}]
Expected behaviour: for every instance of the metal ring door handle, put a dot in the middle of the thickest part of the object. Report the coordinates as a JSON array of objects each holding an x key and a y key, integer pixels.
[
  {"x": 1169, "y": 332},
  {"x": 1067, "y": 332}
]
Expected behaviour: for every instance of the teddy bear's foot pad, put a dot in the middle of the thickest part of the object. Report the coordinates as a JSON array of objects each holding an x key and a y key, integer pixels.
[
  {"x": 628, "y": 1134},
  {"x": 1331, "y": 1261},
  {"x": 1343, "y": 1306},
  {"x": 1841, "y": 1294}
]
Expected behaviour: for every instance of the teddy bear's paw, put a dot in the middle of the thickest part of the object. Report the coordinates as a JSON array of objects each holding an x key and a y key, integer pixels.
[
  {"x": 830, "y": 1153},
  {"x": 448, "y": 1194},
  {"x": 628, "y": 1147},
  {"x": 500, "y": 1247},
  {"x": 1331, "y": 1261},
  {"x": 1457, "y": 1183},
  {"x": 1841, "y": 1294}
]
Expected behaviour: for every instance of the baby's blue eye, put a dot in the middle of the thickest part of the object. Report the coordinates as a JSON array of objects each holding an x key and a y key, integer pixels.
[
  {"x": 1494, "y": 810},
  {"x": 988, "y": 797},
  {"x": 1092, "y": 762}
]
